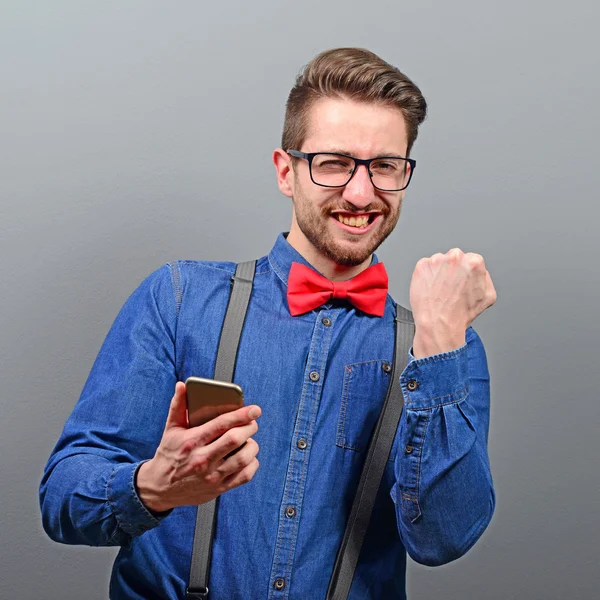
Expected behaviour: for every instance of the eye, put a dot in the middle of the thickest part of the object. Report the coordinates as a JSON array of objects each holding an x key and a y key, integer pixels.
[
  {"x": 384, "y": 166},
  {"x": 333, "y": 163}
]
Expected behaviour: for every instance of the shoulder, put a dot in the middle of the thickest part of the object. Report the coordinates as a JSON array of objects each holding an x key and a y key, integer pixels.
[
  {"x": 198, "y": 278},
  {"x": 201, "y": 273},
  {"x": 204, "y": 271}
]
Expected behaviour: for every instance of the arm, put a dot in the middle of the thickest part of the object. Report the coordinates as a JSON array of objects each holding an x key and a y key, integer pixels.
[
  {"x": 87, "y": 494},
  {"x": 118, "y": 469},
  {"x": 444, "y": 493}
]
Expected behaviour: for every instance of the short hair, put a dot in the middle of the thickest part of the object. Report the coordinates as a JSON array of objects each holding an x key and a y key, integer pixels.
[{"x": 356, "y": 74}]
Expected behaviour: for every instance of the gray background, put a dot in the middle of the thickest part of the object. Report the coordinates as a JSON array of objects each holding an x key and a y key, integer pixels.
[{"x": 118, "y": 123}]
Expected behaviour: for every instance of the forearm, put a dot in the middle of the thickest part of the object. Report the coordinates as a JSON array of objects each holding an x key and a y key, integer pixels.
[
  {"x": 88, "y": 494},
  {"x": 444, "y": 493},
  {"x": 444, "y": 512},
  {"x": 87, "y": 499}
]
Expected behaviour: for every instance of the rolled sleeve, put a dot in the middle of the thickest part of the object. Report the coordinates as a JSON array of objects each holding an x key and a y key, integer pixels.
[
  {"x": 444, "y": 494},
  {"x": 439, "y": 379},
  {"x": 131, "y": 514}
]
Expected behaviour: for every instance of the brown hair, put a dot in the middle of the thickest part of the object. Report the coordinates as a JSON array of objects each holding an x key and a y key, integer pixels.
[{"x": 359, "y": 75}]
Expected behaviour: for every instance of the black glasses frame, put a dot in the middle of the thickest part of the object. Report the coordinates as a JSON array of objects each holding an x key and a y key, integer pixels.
[{"x": 309, "y": 156}]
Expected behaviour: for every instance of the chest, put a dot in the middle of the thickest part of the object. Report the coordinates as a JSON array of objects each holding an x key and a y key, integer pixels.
[{"x": 324, "y": 374}]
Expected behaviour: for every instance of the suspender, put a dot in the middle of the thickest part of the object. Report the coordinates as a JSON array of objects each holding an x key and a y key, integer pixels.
[
  {"x": 379, "y": 449},
  {"x": 377, "y": 454},
  {"x": 226, "y": 355}
]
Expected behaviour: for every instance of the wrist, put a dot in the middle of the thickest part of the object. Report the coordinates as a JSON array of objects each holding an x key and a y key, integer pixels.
[
  {"x": 430, "y": 340},
  {"x": 148, "y": 491}
]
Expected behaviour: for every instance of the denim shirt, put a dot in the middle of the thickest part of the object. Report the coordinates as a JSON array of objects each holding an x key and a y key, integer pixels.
[{"x": 436, "y": 497}]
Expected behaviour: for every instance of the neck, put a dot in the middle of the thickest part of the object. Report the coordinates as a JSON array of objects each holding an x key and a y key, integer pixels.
[{"x": 329, "y": 268}]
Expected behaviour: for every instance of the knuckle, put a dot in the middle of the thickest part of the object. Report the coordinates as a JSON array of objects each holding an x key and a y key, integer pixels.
[
  {"x": 221, "y": 425},
  {"x": 201, "y": 463},
  {"x": 245, "y": 476},
  {"x": 233, "y": 438},
  {"x": 455, "y": 253},
  {"x": 188, "y": 446},
  {"x": 254, "y": 445},
  {"x": 474, "y": 259},
  {"x": 213, "y": 478}
]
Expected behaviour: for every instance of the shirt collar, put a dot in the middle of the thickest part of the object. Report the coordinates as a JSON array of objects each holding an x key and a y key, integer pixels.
[{"x": 282, "y": 256}]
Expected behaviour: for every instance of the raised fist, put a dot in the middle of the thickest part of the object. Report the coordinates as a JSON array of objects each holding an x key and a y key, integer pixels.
[{"x": 447, "y": 292}]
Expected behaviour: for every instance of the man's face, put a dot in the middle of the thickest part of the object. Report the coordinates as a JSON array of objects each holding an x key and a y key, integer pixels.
[{"x": 363, "y": 131}]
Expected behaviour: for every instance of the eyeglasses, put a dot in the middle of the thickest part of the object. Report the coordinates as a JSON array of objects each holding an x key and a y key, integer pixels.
[{"x": 330, "y": 169}]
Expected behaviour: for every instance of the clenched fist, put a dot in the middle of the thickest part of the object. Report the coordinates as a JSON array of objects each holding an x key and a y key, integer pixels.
[{"x": 447, "y": 292}]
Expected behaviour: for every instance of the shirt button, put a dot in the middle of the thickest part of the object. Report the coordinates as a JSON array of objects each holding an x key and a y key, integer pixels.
[
  {"x": 326, "y": 322},
  {"x": 290, "y": 512},
  {"x": 314, "y": 376},
  {"x": 412, "y": 385},
  {"x": 408, "y": 449},
  {"x": 279, "y": 584},
  {"x": 302, "y": 444},
  {"x": 387, "y": 368}
]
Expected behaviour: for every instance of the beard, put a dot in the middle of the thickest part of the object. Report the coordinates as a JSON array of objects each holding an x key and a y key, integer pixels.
[{"x": 314, "y": 224}]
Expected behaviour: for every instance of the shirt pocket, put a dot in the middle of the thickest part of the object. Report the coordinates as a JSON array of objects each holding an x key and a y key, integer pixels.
[{"x": 364, "y": 390}]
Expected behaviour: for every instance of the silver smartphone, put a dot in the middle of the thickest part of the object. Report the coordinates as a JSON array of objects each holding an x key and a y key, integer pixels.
[{"x": 208, "y": 398}]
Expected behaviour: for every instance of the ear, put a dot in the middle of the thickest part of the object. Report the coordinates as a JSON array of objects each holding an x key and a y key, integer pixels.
[{"x": 285, "y": 174}]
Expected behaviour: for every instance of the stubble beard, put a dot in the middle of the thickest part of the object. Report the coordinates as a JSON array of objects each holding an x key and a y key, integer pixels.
[{"x": 314, "y": 225}]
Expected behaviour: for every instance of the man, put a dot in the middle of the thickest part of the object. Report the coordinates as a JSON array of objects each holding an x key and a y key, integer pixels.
[{"x": 129, "y": 471}]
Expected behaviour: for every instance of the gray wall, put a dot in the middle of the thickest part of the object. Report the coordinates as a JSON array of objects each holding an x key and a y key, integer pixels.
[{"x": 114, "y": 117}]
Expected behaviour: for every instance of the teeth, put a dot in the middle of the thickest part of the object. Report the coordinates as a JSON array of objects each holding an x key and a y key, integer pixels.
[{"x": 354, "y": 221}]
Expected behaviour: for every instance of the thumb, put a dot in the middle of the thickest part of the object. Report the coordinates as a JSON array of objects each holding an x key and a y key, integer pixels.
[
  {"x": 177, "y": 416},
  {"x": 493, "y": 296}
]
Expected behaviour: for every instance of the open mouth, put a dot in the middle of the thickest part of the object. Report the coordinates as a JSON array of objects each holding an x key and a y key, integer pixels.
[{"x": 354, "y": 223}]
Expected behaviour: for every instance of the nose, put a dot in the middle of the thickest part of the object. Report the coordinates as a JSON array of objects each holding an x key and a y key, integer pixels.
[{"x": 359, "y": 190}]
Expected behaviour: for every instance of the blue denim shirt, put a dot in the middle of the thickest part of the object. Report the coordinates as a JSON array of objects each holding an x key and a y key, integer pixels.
[{"x": 436, "y": 497}]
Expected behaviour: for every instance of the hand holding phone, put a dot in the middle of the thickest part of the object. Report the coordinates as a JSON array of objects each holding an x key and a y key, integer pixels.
[{"x": 193, "y": 465}]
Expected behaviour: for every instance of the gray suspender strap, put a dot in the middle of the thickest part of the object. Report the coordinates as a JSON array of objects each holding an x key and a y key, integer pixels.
[
  {"x": 225, "y": 365},
  {"x": 374, "y": 466}
]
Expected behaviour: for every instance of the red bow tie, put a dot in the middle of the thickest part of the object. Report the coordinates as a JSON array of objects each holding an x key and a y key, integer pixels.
[{"x": 307, "y": 289}]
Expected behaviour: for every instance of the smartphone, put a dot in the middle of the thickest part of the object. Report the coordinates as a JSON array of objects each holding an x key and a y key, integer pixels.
[{"x": 208, "y": 398}]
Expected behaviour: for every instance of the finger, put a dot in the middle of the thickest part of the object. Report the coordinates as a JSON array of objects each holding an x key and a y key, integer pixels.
[
  {"x": 455, "y": 254},
  {"x": 177, "y": 416},
  {"x": 243, "y": 476},
  {"x": 422, "y": 263},
  {"x": 436, "y": 261},
  {"x": 491, "y": 290},
  {"x": 475, "y": 261},
  {"x": 215, "y": 428},
  {"x": 236, "y": 462},
  {"x": 231, "y": 440}
]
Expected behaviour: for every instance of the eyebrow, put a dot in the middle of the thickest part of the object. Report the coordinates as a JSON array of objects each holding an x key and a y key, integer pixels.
[{"x": 380, "y": 155}]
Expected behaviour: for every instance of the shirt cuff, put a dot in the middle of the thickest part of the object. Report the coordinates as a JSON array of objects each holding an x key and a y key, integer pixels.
[
  {"x": 132, "y": 515},
  {"x": 435, "y": 380}
]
